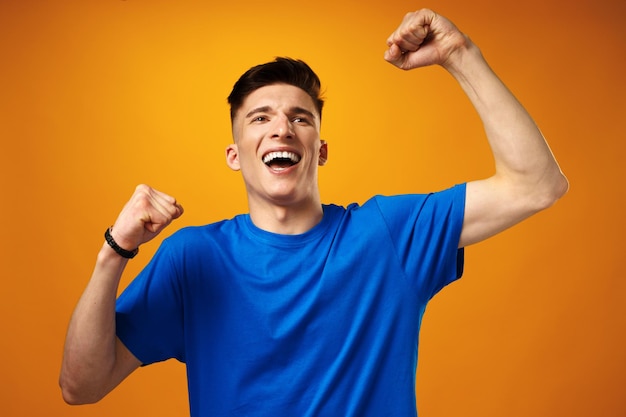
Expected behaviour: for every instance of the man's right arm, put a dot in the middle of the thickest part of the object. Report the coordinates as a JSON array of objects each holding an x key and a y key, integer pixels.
[{"x": 94, "y": 359}]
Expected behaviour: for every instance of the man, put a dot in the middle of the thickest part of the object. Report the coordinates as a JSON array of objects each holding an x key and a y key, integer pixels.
[{"x": 299, "y": 308}]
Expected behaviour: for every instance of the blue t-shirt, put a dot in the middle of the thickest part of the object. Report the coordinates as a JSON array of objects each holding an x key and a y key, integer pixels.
[{"x": 324, "y": 323}]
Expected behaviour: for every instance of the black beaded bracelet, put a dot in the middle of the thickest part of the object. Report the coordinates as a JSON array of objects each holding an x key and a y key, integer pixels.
[{"x": 128, "y": 254}]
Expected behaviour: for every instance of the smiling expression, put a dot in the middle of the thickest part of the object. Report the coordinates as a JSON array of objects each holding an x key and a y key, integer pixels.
[{"x": 277, "y": 146}]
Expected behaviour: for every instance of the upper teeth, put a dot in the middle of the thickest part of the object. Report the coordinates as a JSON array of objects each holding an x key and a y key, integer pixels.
[{"x": 283, "y": 155}]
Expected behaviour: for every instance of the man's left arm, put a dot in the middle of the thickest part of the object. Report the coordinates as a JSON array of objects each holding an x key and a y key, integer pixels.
[{"x": 527, "y": 178}]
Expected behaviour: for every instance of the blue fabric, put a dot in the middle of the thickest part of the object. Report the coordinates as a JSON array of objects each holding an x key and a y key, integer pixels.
[{"x": 325, "y": 323}]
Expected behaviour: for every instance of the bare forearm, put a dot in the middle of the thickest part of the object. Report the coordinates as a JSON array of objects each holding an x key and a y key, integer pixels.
[
  {"x": 520, "y": 151},
  {"x": 90, "y": 346}
]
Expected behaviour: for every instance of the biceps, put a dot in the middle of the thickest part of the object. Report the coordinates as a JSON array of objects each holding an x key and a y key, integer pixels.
[{"x": 491, "y": 206}]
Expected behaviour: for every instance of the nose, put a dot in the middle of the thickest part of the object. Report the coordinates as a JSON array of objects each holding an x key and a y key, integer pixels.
[{"x": 282, "y": 128}]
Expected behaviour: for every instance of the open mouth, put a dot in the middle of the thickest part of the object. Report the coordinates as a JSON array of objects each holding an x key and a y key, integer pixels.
[{"x": 281, "y": 160}]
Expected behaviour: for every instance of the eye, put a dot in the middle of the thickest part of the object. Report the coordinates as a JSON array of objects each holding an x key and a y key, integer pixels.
[
  {"x": 301, "y": 119},
  {"x": 259, "y": 119}
]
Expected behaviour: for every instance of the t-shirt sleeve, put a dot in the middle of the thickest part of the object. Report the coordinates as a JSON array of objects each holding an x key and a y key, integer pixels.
[
  {"x": 426, "y": 231},
  {"x": 149, "y": 313}
]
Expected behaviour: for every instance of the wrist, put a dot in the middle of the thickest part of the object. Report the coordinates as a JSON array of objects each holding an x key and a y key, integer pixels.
[
  {"x": 123, "y": 252},
  {"x": 463, "y": 56}
]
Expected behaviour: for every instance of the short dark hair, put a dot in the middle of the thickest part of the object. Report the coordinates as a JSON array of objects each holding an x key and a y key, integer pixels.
[{"x": 280, "y": 71}]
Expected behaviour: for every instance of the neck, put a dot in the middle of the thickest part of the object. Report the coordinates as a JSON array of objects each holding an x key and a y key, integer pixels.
[{"x": 287, "y": 220}]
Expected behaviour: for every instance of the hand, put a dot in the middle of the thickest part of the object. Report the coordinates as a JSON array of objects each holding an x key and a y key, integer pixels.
[
  {"x": 423, "y": 38},
  {"x": 145, "y": 215}
]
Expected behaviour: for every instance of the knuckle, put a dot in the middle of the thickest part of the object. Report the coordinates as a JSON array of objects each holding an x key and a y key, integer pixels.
[{"x": 142, "y": 188}]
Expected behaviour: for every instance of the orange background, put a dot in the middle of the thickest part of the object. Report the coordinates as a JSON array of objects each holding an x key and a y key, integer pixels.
[{"x": 98, "y": 96}]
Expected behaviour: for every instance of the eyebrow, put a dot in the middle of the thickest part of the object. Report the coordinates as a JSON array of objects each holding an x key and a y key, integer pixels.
[{"x": 292, "y": 110}]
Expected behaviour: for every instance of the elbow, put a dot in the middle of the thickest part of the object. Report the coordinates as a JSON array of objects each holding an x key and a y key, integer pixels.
[
  {"x": 552, "y": 192},
  {"x": 75, "y": 394},
  {"x": 563, "y": 186},
  {"x": 71, "y": 398}
]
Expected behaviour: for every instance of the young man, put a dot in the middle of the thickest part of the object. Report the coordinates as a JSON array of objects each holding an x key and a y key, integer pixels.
[{"x": 299, "y": 308}]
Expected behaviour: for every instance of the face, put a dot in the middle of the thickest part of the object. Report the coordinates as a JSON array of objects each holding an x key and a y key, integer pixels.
[{"x": 277, "y": 146}]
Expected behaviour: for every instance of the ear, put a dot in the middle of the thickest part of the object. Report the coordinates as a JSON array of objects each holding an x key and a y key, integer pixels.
[
  {"x": 232, "y": 157},
  {"x": 323, "y": 153}
]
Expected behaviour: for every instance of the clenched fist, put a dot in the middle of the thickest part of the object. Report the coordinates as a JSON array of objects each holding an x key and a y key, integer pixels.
[
  {"x": 145, "y": 215},
  {"x": 424, "y": 38}
]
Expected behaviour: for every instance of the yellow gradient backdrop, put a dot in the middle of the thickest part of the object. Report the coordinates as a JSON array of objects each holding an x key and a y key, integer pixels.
[{"x": 98, "y": 96}]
